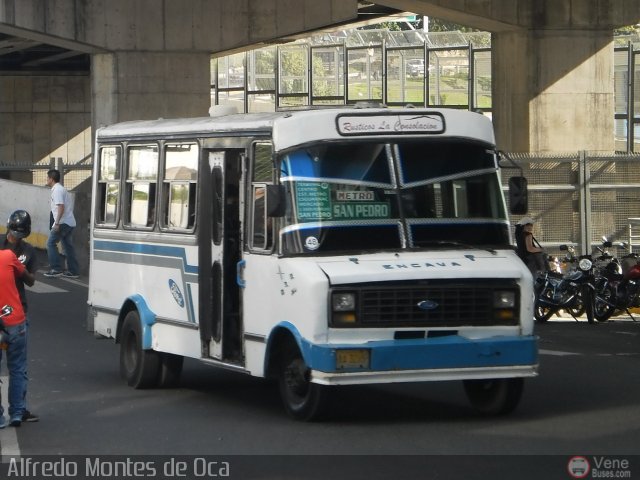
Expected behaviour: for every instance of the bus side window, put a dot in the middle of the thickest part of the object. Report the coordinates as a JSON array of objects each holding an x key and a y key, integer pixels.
[
  {"x": 141, "y": 185},
  {"x": 261, "y": 235},
  {"x": 108, "y": 195},
  {"x": 179, "y": 186}
]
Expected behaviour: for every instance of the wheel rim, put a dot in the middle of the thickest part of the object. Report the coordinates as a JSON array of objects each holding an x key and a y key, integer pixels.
[
  {"x": 542, "y": 313},
  {"x": 296, "y": 379},
  {"x": 602, "y": 304}
]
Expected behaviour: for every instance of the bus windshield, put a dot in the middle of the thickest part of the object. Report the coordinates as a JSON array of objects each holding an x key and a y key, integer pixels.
[{"x": 361, "y": 196}]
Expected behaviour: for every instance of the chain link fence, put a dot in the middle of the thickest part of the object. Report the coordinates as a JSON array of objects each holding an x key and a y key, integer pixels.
[{"x": 578, "y": 198}]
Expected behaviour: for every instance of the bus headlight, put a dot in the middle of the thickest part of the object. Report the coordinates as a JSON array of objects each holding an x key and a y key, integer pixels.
[
  {"x": 504, "y": 305},
  {"x": 343, "y": 308},
  {"x": 343, "y": 301},
  {"x": 504, "y": 299}
]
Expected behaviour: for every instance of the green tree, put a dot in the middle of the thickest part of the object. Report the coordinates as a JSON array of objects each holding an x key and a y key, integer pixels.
[
  {"x": 437, "y": 25},
  {"x": 391, "y": 26},
  {"x": 628, "y": 30}
]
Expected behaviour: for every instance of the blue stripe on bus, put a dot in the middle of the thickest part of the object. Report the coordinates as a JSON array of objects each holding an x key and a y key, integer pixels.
[
  {"x": 146, "y": 249},
  {"x": 147, "y": 319},
  {"x": 429, "y": 353}
]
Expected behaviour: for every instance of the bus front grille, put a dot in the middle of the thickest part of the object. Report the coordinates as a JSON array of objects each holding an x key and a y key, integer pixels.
[{"x": 436, "y": 304}]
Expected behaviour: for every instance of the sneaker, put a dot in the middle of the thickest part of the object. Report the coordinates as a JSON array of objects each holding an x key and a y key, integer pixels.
[
  {"x": 3, "y": 422},
  {"x": 27, "y": 416},
  {"x": 68, "y": 274},
  {"x": 15, "y": 421},
  {"x": 53, "y": 273}
]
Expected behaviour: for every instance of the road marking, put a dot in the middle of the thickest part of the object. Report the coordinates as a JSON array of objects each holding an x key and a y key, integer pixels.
[
  {"x": 40, "y": 287},
  {"x": 556, "y": 353},
  {"x": 76, "y": 281},
  {"x": 8, "y": 439},
  {"x": 597, "y": 354}
]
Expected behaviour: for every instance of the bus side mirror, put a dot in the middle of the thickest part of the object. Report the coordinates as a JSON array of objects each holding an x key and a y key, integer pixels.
[
  {"x": 518, "y": 195},
  {"x": 276, "y": 201}
]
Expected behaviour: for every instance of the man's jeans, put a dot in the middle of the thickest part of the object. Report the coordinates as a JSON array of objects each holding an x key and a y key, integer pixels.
[
  {"x": 16, "y": 338},
  {"x": 64, "y": 234}
]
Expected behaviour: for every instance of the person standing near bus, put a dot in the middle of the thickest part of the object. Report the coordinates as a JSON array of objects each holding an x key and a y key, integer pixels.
[
  {"x": 529, "y": 250},
  {"x": 18, "y": 228},
  {"x": 62, "y": 225},
  {"x": 14, "y": 335}
]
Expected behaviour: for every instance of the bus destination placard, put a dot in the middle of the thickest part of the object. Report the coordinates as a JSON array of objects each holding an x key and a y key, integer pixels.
[{"x": 390, "y": 124}]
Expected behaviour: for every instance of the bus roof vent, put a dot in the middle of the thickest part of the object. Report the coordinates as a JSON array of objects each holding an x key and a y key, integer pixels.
[{"x": 222, "y": 110}]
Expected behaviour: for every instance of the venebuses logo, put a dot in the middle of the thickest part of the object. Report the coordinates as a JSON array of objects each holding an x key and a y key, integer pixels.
[
  {"x": 578, "y": 467},
  {"x": 599, "y": 467}
]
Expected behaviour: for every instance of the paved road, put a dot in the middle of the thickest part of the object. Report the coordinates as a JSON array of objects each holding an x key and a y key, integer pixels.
[{"x": 585, "y": 402}]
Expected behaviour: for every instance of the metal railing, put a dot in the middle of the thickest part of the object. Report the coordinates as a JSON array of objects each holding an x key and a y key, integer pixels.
[
  {"x": 420, "y": 72},
  {"x": 579, "y": 198}
]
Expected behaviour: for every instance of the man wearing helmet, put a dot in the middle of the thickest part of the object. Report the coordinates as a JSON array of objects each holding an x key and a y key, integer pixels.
[{"x": 18, "y": 228}]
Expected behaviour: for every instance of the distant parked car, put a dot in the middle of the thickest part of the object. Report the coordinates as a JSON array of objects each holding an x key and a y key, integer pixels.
[{"x": 415, "y": 67}]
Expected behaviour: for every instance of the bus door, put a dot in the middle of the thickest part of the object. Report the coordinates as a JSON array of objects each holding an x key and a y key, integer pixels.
[{"x": 220, "y": 254}]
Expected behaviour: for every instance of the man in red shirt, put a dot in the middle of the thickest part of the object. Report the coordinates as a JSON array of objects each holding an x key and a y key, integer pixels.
[
  {"x": 14, "y": 329},
  {"x": 18, "y": 229}
]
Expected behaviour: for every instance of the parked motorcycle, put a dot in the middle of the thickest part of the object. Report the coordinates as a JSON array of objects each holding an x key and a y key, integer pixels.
[
  {"x": 564, "y": 291},
  {"x": 618, "y": 287}
]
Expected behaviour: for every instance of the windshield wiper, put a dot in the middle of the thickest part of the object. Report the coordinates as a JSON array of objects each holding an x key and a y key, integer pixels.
[{"x": 443, "y": 243}]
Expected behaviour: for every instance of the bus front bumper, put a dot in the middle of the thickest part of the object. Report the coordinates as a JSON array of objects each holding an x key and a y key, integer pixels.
[{"x": 430, "y": 359}]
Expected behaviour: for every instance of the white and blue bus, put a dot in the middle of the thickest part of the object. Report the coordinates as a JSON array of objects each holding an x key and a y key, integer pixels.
[{"x": 319, "y": 247}]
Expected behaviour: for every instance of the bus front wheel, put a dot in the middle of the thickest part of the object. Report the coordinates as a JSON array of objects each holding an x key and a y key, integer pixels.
[
  {"x": 495, "y": 396},
  {"x": 170, "y": 370},
  {"x": 140, "y": 368},
  {"x": 303, "y": 400}
]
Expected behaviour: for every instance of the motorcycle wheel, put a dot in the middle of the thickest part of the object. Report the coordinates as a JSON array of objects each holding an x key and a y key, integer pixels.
[
  {"x": 603, "y": 308},
  {"x": 542, "y": 313},
  {"x": 578, "y": 310}
]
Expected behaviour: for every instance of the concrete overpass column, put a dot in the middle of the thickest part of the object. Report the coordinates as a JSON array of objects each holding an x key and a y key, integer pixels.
[
  {"x": 562, "y": 92},
  {"x": 138, "y": 85}
]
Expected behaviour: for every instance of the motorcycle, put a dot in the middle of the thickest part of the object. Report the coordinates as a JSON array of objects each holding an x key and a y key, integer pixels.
[
  {"x": 564, "y": 291},
  {"x": 618, "y": 287}
]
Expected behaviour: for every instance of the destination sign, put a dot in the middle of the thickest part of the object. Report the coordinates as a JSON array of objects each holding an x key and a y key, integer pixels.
[
  {"x": 390, "y": 124},
  {"x": 354, "y": 196},
  {"x": 313, "y": 201},
  {"x": 360, "y": 210}
]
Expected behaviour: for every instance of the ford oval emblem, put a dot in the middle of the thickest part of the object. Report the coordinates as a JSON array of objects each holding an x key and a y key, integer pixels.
[
  {"x": 427, "y": 305},
  {"x": 177, "y": 294}
]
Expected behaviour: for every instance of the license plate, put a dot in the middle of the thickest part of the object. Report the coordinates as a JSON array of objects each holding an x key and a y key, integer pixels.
[{"x": 355, "y": 358}]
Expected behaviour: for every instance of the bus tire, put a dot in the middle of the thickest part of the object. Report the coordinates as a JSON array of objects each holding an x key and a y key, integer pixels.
[
  {"x": 140, "y": 368},
  {"x": 497, "y": 396},
  {"x": 170, "y": 370},
  {"x": 303, "y": 400}
]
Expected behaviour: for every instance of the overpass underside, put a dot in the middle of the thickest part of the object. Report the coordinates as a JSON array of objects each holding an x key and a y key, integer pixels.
[{"x": 150, "y": 59}]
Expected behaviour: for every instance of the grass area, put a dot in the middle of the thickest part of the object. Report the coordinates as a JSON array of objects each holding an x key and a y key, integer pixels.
[{"x": 453, "y": 92}]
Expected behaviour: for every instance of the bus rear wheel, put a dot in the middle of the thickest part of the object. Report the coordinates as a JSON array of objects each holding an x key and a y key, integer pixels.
[
  {"x": 140, "y": 368},
  {"x": 303, "y": 400},
  {"x": 496, "y": 396}
]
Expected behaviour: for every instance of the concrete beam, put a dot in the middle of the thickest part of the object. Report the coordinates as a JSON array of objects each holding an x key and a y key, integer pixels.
[
  {"x": 169, "y": 25},
  {"x": 504, "y": 15}
]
